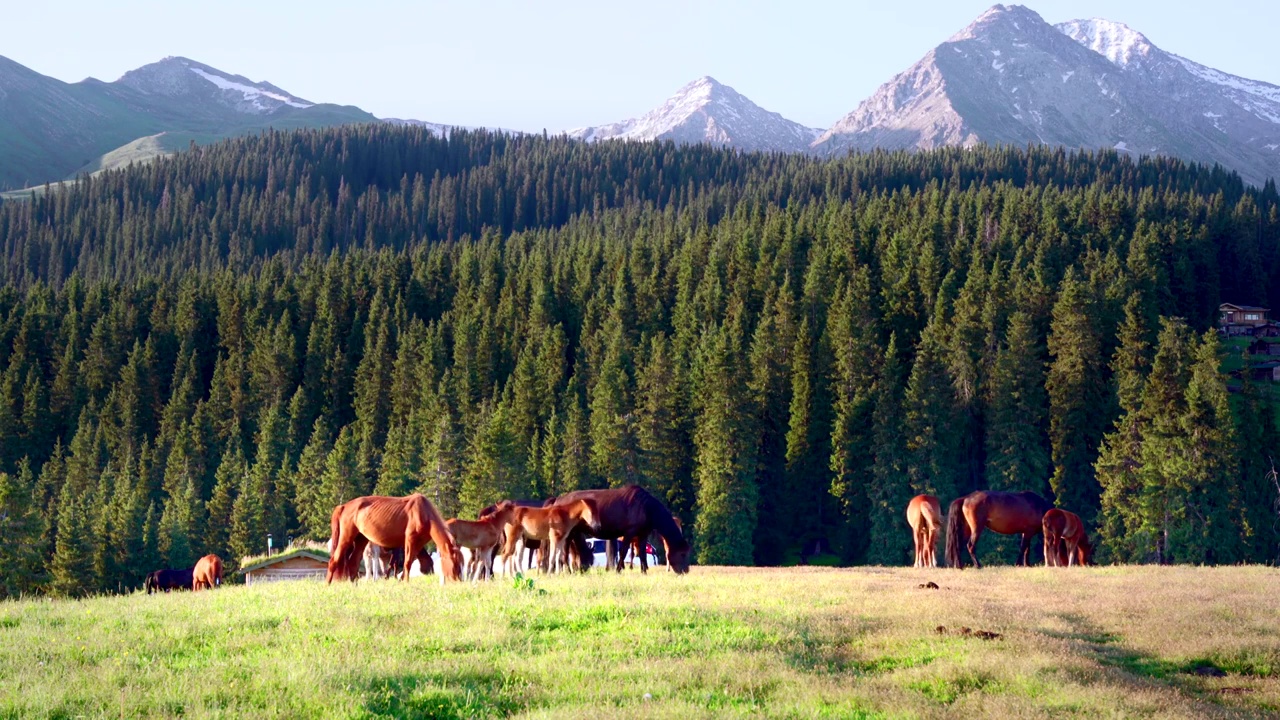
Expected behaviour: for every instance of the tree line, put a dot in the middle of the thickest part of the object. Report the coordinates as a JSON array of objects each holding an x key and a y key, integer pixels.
[{"x": 230, "y": 342}]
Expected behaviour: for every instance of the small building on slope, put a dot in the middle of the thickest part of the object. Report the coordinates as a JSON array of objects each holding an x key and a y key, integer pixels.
[{"x": 292, "y": 564}]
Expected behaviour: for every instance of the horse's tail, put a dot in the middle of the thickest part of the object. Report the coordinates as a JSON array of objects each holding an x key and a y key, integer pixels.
[{"x": 955, "y": 532}]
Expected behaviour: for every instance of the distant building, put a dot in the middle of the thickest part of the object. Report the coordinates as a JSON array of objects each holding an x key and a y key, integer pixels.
[
  {"x": 1265, "y": 371},
  {"x": 1242, "y": 319},
  {"x": 293, "y": 564}
]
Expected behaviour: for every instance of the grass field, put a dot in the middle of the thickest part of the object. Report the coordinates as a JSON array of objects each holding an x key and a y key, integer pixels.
[{"x": 1115, "y": 642}]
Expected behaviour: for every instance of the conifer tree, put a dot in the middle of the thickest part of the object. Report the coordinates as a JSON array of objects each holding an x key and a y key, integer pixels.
[
  {"x": 727, "y": 493},
  {"x": 20, "y": 526}
]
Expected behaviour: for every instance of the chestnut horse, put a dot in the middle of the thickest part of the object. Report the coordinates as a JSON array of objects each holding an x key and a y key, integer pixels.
[
  {"x": 390, "y": 522},
  {"x": 207, "y": 573},
  {"x": 1006, "y": 513},
  {"x": 924, "y": 514},
  {"x": 533, "y": 547},
  {"x": 552, "y": 524},
  {"x": 483, "y": 537},
  {"x": 1064, "y": 535},
  {"x": 631, "y": 513}
]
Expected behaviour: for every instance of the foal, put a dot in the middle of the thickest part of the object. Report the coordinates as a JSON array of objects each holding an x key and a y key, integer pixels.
[
  {"x": 1064, "y": 535},
  {"x": 482, "y": 537},
  {"x": 924, "y": 514},
  {"x": 552, "y": 524}
]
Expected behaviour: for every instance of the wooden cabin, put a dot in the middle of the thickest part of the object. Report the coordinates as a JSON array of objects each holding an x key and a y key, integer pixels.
[
  {"x": 292, "y": 564},
  {"x": 1242, "y": 319}
]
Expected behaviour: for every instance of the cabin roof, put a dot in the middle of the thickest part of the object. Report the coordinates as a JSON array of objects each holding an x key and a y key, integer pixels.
[
  {"x": 1243, "y": 307},
  {"x": 257, "y": 563}
]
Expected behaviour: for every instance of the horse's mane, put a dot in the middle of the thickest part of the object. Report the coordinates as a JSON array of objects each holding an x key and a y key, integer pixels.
[
  {"x": 1041, "y": 505},
  {"x": 661, "y": 518}
]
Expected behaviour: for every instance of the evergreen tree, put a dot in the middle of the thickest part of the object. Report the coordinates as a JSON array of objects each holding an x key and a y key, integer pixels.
[{"x": 20, "y": 526}]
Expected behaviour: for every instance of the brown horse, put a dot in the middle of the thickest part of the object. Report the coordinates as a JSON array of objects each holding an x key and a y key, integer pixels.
[
  {"x": 483, "y": 537},
  {"x": 168, "y": 579},
  {"x": 630, "y": 512},
  {"x": 1065, "y": 541},
  {"x": 207, "y": 573},
  {"x": 390, "y": 522},
  {"x": 552, "y": 524},
  {"x": 1006, "y": 513},
  {"x": 533, "y": 547},
  {"x": 924, "y": 514}
]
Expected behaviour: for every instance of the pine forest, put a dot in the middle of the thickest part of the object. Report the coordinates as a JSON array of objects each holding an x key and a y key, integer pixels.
[{"x": 226, "y": 343}]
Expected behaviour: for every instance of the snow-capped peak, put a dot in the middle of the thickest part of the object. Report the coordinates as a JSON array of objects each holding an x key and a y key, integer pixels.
[
  {"x": 179, "y": 77},
  {"x": 706, "y": 110},
  {"x": 1115, "y": 41}
]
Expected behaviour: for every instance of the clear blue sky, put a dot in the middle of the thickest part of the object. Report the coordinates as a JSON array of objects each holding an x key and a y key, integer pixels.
[{"x": 555, "y": 65}]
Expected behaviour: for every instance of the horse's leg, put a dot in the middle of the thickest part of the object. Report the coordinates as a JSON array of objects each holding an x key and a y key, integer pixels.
[
  {"x": 977, "y": 520},
  {"x": 1025, "y": 555}
]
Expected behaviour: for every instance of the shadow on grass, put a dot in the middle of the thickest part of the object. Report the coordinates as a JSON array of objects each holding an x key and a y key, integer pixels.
[
  {"x": 436, "y": 695},
  {"x": 1187, "y": 675}
]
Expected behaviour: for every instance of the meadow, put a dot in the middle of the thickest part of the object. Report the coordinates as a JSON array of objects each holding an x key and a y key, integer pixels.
[{"x": 786, "y": 642}]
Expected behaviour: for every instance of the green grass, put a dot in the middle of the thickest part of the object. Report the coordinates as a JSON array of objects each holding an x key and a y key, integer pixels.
[{"x": 790, "y": 642}]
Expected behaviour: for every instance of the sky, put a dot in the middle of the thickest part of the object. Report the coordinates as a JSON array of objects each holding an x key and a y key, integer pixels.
[{"x": 557, "y": 65}]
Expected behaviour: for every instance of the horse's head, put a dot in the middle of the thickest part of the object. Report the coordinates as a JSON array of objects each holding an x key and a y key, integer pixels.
[
  {"x": 590, "y": 514},
  {"x": 1084, "y": 552},
  {"x": 678, "y": 560}
]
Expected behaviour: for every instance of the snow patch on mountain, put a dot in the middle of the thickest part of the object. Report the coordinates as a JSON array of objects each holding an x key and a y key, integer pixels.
[
  {"x": 252, "y": 94},
  {"x": 1115, "y": 41}
]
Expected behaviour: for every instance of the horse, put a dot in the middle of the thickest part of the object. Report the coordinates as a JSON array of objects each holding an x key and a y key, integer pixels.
[
  {"x": 533, "y": 547},
  {"x": 924, "y": 514},
  {"x": 552, "y": 523},
  {"x": 483, "y": 537},
  {"x": 1064, "y": 535},
  {"x": 207, "y": 573},
  {"x": 390, "y": 521},
  {"x": 168, "y": 579},
  {"x": 630, "y": 512},
  {"x": 1007, "y": 513}
]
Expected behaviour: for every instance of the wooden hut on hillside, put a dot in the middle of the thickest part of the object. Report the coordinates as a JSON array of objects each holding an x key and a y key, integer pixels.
[{"x": 292, "y": 564}]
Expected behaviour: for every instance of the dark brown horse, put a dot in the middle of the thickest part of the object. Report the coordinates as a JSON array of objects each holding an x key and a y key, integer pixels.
[
  {"x": 167, "y": 579},
  {"x": 389, "y": 521},
  {"x": 631, "y": 513},
  {"x": 207, "y": 574},
  {"x": 1018, "y": 513}
]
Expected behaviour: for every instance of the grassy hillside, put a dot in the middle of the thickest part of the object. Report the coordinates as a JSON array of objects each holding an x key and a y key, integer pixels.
[{"x": 1140, "y": 641}]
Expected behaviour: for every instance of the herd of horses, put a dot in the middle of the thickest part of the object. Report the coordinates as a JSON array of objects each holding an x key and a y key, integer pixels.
[
  {"x": 557, "y": 529},
  {"x": 1022, "y": 513},
  {"x": 391, "y": 533}
]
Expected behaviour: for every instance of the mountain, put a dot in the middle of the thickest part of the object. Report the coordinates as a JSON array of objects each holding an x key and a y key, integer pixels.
[
  {"x": 1010, "y": 77},
  {"x": 50, "y": 129},
  {"x": 711, "y": 112}
]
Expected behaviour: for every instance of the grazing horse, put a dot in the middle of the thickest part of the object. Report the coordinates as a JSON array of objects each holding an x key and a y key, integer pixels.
[
  {"x": 552, "y": 524},
  {"x": 1018, "y": 513},
  {"x": 383, "y": 563},
  {"x": 1064, "y": 536},
  {"x": 924, "y": 514},
  {"x": 390, "y": 522},
  {"x": 631, "y": 553},
  {"x": 630, "y": 512},
  {"x": 167, "y": 579},
  {"x": 207, "y": 573},
  {"x": 484, "y": 537}
]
